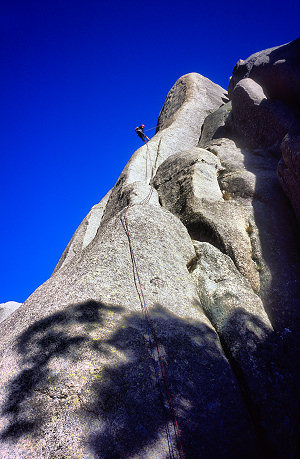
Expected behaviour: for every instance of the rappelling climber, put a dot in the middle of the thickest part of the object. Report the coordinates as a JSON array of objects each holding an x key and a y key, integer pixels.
[{"x": 140, "y": 132}]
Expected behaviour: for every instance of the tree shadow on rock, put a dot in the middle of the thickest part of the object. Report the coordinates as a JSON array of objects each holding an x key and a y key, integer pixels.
[
  {"x": 64, "y": 334},
  {"x": 124, "y": 406},
  {"x": 210, "y": 412},
  {"x": 258, "y": 357}
]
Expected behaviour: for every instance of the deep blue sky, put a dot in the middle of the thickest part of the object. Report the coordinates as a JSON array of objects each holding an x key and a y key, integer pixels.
[{"x": 76, "y": 78}]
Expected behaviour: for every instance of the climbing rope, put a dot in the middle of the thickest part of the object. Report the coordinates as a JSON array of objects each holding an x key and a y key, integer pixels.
[
  {"x": 150, "y": 326},
  {"x": 150, "y": 129}
]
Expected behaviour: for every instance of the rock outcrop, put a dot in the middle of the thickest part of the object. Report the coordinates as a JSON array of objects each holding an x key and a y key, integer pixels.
[
  {"x": 265, "y": 93},
  {"x": 214, "y": 253},
  {"x": 276, "y": 70},
  {"x": 259, "y": 121},
  {"x": 8, "y": 308},
  {"x": 289, "y": 166}
]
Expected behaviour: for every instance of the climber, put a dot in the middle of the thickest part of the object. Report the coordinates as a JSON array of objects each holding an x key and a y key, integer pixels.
[{"x": 140, "y": 132}]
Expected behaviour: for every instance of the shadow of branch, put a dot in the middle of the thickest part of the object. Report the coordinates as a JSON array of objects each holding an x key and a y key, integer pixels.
[{"x": 52, "y": 337}]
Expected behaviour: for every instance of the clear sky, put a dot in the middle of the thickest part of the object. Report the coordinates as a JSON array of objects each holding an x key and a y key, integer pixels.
[{"x": 76, "y": 78}]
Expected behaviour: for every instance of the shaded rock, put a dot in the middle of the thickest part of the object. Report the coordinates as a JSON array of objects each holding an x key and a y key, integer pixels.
[
  {"x": 276, "y": 70},
  {"x": 8, "y": 308},
  {"x": 187, "y": 184},
  {"x": 249, "y": 181},
  {"x": 242, "y": 324},
  {"x": 223, "y": 291},
  {"x": 259, "y": 87},
  {"x": 259, "y": 122},
  {"x": 215, "y": 126},
  {"x": 224, "y": 225},
  {"x": 289, "y": 167}
]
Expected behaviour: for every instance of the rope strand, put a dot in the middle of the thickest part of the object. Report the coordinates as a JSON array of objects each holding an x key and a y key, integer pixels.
[
  {"x": 150, "y": 326},
  {"x": 150, "y": 129}
]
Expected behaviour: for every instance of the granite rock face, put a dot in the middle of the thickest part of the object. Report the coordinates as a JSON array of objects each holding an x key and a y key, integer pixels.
[
  {"x": 191, "y": 99},
  {"x": 216, "y": 125},
  {"x": 241, "y": 322},
  {"x": 8, "y": 308},
  {"x": 84, "y": 234},
  {"x": 188, "y": 186},
  {"x": 289, "y": 166},
  {"x": 265, "y": 109},
  {"x": 276, "y": 70},
  {"x": 215, "y": 250},
  {"x": 258, "y": 121}
]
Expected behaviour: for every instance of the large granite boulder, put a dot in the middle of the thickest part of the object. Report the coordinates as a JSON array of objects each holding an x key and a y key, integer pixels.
[
  {"x": 188, "y": 186},
  {"x": 77, "y": 372},
  {"x": 258, "y": 121},
  {"x": 276, "y": 70},
  {"x": 265, "y": 93},
  {"x": 179, "y": 305}
]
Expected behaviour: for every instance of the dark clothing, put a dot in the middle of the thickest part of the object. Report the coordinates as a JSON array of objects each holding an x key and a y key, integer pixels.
[{"x": 140, "y": 132}]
